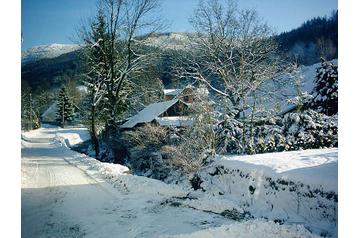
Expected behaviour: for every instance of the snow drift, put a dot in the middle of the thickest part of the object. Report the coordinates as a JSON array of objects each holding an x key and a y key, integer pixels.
[{"x": 296, "y": 187}]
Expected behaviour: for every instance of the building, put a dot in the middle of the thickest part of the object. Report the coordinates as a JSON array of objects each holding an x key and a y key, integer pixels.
[{"x": 172, "y": 112}]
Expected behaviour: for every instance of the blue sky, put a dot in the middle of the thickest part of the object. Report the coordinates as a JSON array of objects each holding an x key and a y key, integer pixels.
[{"x": 55, "y": 21}]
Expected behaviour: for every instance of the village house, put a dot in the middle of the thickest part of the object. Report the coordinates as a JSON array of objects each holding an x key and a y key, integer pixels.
[{"x": 174, "y": 111}]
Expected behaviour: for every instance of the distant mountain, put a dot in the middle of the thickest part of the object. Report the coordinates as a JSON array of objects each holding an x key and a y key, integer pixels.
[
  {"x": 314, "y": 38},
  {"x": 47, "y": 67},
  {"x": 169, "y": 40},
  {"x": 46, "y": 52},
  {"x": 50, "y": 69}
]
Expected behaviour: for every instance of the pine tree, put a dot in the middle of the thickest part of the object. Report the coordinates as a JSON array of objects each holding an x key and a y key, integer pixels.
[
  {"x": 96, "y": 58},
  {"x": 65, "y": 109},
  {"x": 325, "y": 93},
  {"x": 29, "y": 114}
]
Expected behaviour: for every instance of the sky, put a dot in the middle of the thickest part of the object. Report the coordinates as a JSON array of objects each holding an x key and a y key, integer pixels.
[{"x": 55, "y": 21}]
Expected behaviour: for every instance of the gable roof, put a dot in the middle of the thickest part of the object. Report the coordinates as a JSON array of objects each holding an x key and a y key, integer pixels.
[
  {"x": 50, "y": 114},
  {"x": 172, "y": 92},
  {"x": 149, "y": 113}
]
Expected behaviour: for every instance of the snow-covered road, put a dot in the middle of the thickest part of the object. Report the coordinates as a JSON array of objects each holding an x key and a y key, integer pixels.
[
  {"x": 61, "y": 200},
  {"x": 62, "y": 197}
]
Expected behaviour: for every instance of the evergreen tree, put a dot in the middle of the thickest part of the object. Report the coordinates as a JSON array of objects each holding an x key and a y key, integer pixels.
[
  {"x": 65, "y": 109},
  {"x": 96, "y": 58},
  {"x": 29, "y": 114},
  {"x": 325, "y": 93}
]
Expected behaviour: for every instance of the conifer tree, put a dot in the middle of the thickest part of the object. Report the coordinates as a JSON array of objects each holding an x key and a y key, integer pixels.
[
  {"x": 29, "y": 114},
  {"x": 96, "y": 58},
  {"x": 325, "y": 93},
  {"x": 65, "y": 109}
]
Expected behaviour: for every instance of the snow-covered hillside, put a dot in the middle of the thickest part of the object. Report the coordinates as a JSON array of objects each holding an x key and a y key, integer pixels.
[
  {"x": 279, "y": 91},
  {"x": 172, "y": 40},
  {"x": 46, "y": 52}
]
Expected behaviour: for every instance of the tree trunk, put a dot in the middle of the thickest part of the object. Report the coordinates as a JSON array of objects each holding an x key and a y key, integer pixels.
[{"x": 94, "y": 131}]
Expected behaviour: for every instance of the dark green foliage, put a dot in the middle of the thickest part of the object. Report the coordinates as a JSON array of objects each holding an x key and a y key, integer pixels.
[
  {"x": 65, "y": 108},
  {"x": 314, "y": 38},
  {"x": 326, "y": 90},
  {"x": 29, "y": 113},
  {"x": 310, "y": 130},
  {"x": 46, "y": 74}
]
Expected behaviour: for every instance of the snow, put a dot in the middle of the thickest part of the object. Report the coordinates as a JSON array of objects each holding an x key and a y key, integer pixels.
[
  {"x": 174, "y": 121},
  {"x": 287, "y": 91},
  {"x": 83, "y": 90},
  {"x": 297, "y": 187},
  {"x": 72, "y": 135},
  {"x": 68, "y": 194},
  {"x": 172, "y": 92},
  {"x": 149, "y": 113},
  {"x": 252, "y": 229},
  {"x": 69, "y": 136},
  {"x": 46, "y": 52},
  {"x": 315, "y": 167},
  {"x": 173, "y": 40},
  {"x": 50, "y": 114}
]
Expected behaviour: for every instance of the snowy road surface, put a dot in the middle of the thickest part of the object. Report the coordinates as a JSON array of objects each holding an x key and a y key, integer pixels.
[{"x": 61, "y": 198}]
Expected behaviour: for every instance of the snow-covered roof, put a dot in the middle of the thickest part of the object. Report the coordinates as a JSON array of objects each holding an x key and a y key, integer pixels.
[
  {"x": 149, "y": 113},
  {"x": 50, "y": 113},
  {"x": 174, "y": 121},
  {"x": 172, "y": 92}
]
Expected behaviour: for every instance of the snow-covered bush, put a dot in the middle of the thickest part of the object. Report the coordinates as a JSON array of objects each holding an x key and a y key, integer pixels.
[
  {"x": 309, "y": 130},
  {"x": 146, "y": 135},
  {"x": 325, "y": 93},
  {"x": 197, "y": 142},
  {"x": 229, "y": 136},
  {"x": 296, "y": 130},
  {"x": 268, "y": 138}
]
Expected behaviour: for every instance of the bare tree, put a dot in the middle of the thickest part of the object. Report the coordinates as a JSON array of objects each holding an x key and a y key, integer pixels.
[
  {"x": 115, "y": 56},
  {"x": 233, "y": 53}
]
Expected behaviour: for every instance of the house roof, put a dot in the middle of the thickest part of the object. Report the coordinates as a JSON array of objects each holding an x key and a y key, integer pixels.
[
  {"x": 149, "y": 113},
  {"x": 50, "y": 113},
  {"x": 172, "y": 92}
]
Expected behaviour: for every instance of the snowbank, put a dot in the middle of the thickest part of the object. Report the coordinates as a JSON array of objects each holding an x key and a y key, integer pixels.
[
  {"x": 298, "y": 187},
  {"x": 118, "y": 175},
  {"x": 73, "y": 135},
  {"x": 251, "y": 229},
  {"x": 317, "y": 167}
]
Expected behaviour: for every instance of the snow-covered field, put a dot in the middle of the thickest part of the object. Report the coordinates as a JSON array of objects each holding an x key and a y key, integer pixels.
[{"x": 67, "y": 194}]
